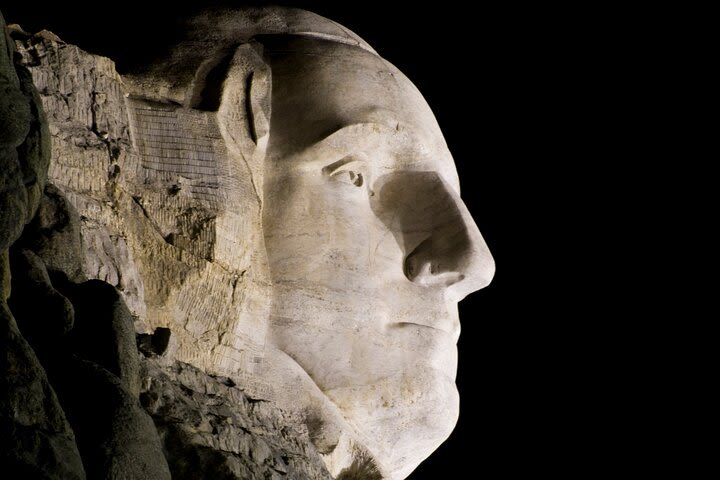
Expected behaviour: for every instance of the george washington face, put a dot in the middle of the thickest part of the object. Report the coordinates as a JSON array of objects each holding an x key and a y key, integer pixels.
[
  {"x": 334, "y": 245},
  {"x": 369, "y": 245}
]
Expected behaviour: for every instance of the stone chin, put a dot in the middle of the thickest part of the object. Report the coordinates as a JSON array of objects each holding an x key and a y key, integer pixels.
[
  {"x": 405, "y": 417},
  {"x": 395, "y": 391}
]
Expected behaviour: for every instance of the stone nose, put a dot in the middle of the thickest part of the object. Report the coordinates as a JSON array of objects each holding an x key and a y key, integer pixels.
[
  {"x": 442, "y": 245},
  {"x": 453, "y": 256}
]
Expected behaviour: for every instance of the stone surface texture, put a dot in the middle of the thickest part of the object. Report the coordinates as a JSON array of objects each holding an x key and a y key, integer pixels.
[
  {"x": 211, "y": 429},
  {"x": 248, "y": 252},
  {"x": 37, "y": 440}
]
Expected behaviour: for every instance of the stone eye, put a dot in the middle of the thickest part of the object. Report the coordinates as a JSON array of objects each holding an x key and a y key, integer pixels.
[
  {"x": 356, "y": 178},
  {"x": 349, "y": 177},
  {"x": 347, "y": 170}
]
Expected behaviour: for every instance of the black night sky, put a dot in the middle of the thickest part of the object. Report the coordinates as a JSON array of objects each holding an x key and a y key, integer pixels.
[{"x": 490, "y": 76}]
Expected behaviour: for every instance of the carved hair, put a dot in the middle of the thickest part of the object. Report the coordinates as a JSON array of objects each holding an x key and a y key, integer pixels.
[{"x": 209, "y": 40}]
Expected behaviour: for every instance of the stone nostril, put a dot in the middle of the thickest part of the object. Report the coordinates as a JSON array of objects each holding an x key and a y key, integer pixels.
[
  {"x": 411, "y": 267},
  {"x": 416, "y": 262},
  {"x": 423, "y": 268}
]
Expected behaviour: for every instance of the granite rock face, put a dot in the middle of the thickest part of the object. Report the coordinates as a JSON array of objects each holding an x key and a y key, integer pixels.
[
  {"x": 79, "y": 399},
  {"x": 24, "y": 144},
  {"x": 211, "y": 429},
  {"x": 37, "y": 440},
  {"x": 243, "y": 259},
  {"x": 159, "y": 208}
]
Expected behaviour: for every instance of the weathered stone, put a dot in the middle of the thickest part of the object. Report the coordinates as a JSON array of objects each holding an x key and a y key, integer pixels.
[
  {"x": 36, "y": 439},
  {"x": 103, "y": 331},
  {"x": 23, "y": 134},
  {"x": 34, "y": 152},
  {"x": 54, "y": 235},
  {"x": 87, "y": 346},
  {"x": 212, "y": 429},
  {"x": 43, "y": 314},
  {"x": 279, "y": 211},
  {"x": 116, "y": 437}
]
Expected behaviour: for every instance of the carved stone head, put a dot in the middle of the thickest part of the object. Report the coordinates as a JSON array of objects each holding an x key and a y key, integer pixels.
[{"x": 305, "y": 230}]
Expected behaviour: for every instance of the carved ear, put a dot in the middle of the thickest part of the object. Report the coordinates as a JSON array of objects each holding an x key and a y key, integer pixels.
[{"x": 244, "y": 109}]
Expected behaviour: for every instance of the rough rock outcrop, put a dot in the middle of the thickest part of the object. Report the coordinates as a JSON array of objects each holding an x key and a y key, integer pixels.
[
  {"x": 163, "y": 216},
  {"x": 24, "y": 144},
  {"x": 211, "y": 429},
  {"x": 82, "y": 395},
  {"x": 36, "y": 440}
]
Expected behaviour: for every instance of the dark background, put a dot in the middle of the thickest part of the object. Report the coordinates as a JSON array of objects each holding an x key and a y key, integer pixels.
[{"x": 506, "y": 84}]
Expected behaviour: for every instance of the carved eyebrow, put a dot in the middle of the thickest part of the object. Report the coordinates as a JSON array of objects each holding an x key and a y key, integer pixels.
[
  {"x": 363, "y": 134},
  {"x": 357, "y": 130},
  {"x": 348, "y": 143}
]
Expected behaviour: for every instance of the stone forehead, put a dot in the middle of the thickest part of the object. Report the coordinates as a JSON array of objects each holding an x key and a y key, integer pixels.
[
  {"x": 379, "y": 88},
  {"x": 232, "y": 26},
  {"x": 348, "y": 100}
]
